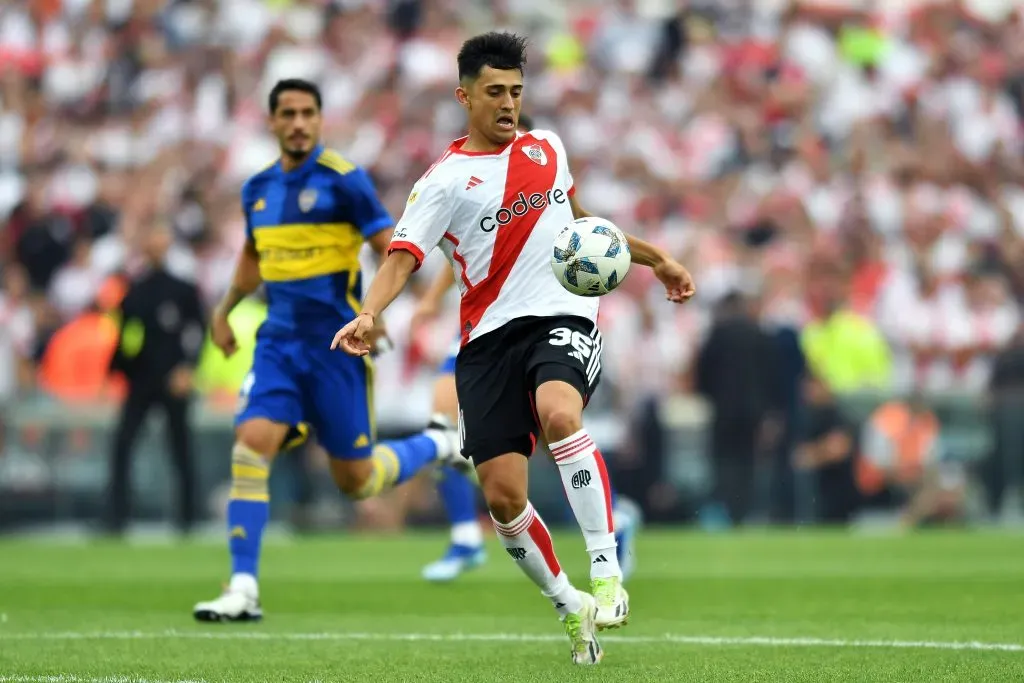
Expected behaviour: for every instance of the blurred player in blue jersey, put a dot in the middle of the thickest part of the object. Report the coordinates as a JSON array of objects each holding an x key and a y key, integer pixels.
[
  {"x": 306, "y": 217},
  {"x": 457, "y": 492}
]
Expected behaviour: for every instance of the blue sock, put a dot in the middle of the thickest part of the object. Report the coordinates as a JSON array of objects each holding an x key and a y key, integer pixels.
[
  {"x": 246, "y": 521},
  {"x": 248, "y": 509},
  {"x": 458, "y": 495},
  {"x": 395, "y": 462}
]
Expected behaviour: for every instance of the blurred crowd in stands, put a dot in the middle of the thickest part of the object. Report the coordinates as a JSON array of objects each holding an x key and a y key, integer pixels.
[{"x": 848, "y": 173}]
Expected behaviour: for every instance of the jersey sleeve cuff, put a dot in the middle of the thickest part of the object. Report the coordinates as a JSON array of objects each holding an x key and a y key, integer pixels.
[
  {"x": 572, "y": 191},
  {"x": 373, "y": 227},
  {"x": 411, "y": 248}
]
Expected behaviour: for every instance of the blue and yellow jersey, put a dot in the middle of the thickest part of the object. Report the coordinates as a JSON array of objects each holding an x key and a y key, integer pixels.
[{"x": 308, "y": 226}]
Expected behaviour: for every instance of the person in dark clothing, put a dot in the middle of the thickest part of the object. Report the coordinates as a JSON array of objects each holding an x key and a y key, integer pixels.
[
  {"x": 736, "y": 372},
  {"x": 161, "y": 335},
  {"x": 791, "y": 370},
  {"x": 825, "y": 450},
  {"x": 672, "y": 43},
  {"x": 41, "y": 237},
  {"x": 1005, "y": 465}
]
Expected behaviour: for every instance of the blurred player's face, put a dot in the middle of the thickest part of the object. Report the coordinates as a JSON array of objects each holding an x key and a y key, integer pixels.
[
  {"x": 158, "y": 242},
  {"x": 492, "y": 102},
  {"x": 296, "y": 123}
]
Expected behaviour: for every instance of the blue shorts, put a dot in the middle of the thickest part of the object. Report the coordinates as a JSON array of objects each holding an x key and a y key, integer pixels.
[
  {"x": 295, "y": 382},
  {"x": 448, "y": 366}
]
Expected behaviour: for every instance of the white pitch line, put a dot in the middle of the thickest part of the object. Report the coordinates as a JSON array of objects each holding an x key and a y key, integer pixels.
[
  {"x": 71, "y": 678},
  {"x": 712, "y": 641}
]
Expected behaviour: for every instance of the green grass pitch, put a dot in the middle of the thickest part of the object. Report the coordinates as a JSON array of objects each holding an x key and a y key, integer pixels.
[{"x": 746, "y": 607}]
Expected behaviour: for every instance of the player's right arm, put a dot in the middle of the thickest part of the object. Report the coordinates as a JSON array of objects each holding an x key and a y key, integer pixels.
[
  {"x": 427, "y": 214},
  {"x": 244, "y": 282}
]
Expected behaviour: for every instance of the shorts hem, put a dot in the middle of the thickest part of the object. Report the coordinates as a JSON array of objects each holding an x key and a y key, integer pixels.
[
  {"x": 552, "y": 371},
  {"x": 493, "y": 448},
  {"x": 349, "y": 454},
  {"x": 256, "y": 414}
]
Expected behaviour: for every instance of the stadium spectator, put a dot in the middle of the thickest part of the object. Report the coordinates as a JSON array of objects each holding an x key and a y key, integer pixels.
[
  {"x": 902, "y": 463},
  {"x": 826, "y": 453},
  {"x": 161, "y": 335},
  {"x": 1004, "y": 467},
  {"x": 780, "y": 315},
  {"x": 736, "y": 370},
  {"x": 75, "y": 365},
  {"x": 843, "y": 348},
  {"x": 17, "y": 335}
]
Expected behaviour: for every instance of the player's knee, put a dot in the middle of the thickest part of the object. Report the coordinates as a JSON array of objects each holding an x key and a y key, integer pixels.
[
  {"x": 503, "y": 482},
  {"x": 506, "y": 500},
  {"x": 260, "y": 436},
  {"x": 352, "y": 477},
  {"x": 559, "y": 422}
]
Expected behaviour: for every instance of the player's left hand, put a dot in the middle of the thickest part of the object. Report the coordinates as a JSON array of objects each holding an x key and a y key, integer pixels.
[
  {"x": 352, "y": 339},
  {"x": 180, "y": 382},
  {"x": 678, "y": 282}
]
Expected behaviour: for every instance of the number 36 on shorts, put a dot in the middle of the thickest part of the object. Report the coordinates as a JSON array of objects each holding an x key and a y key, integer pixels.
[{"x": 585, "y": 348}]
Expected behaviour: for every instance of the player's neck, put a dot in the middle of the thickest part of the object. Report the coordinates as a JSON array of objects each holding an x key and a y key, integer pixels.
[
  {"x": 290, "y": 163},
  {"x": 477, "y": 142}
]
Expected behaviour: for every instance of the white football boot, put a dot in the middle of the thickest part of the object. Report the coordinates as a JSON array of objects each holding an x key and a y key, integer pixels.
[
  {"x": 582, "y": 632},
  {"x": 458, "y": 560},
  {"x": 612, "y": 602},
  {"x": 234, "y": 604}
]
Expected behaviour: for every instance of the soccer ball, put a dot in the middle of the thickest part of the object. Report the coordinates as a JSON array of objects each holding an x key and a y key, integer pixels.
[{"x": 590, "y": 256}]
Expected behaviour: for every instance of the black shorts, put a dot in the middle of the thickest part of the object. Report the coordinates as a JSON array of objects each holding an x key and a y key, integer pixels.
[{"x": 497, "y": 375}]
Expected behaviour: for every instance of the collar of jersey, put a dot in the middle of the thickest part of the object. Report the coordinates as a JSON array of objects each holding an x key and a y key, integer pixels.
[
  {"x": 456, "y": 147},
  {"x": 303, "y": 168}
]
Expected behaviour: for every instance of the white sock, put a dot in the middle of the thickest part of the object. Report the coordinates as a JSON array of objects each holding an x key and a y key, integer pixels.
[
  {"x": 468, "y": 534},
  {"x": 586, "y": 485},
  {"x": 244, "y": 583},
  {"x": 441, "y": 440},
  {"x": 528, "y": 542},
  {"x": 564, "y": 596}
]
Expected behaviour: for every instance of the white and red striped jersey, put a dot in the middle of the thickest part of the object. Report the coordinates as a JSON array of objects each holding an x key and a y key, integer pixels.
[{"x": 495, "y": 216}]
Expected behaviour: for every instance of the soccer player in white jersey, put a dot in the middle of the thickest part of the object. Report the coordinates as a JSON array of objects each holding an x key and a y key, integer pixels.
[{"x": 530, "y": 356}]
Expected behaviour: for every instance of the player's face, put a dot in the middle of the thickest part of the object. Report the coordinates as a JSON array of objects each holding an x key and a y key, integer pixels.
[
  {"x": 158, "y": 241},
  {"x": 493, "y": 101},
  {"x": 296, "y": 123}
]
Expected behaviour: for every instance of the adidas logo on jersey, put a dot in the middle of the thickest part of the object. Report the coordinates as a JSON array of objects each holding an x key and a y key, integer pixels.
[
  {"x": 522, "y": 206},
  {"x": 473, "y": 182}
]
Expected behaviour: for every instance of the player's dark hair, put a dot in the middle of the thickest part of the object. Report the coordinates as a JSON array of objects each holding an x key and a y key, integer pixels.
[
  {"x": 504, "y": 51},
  {"x": 294, "y": 84}
]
